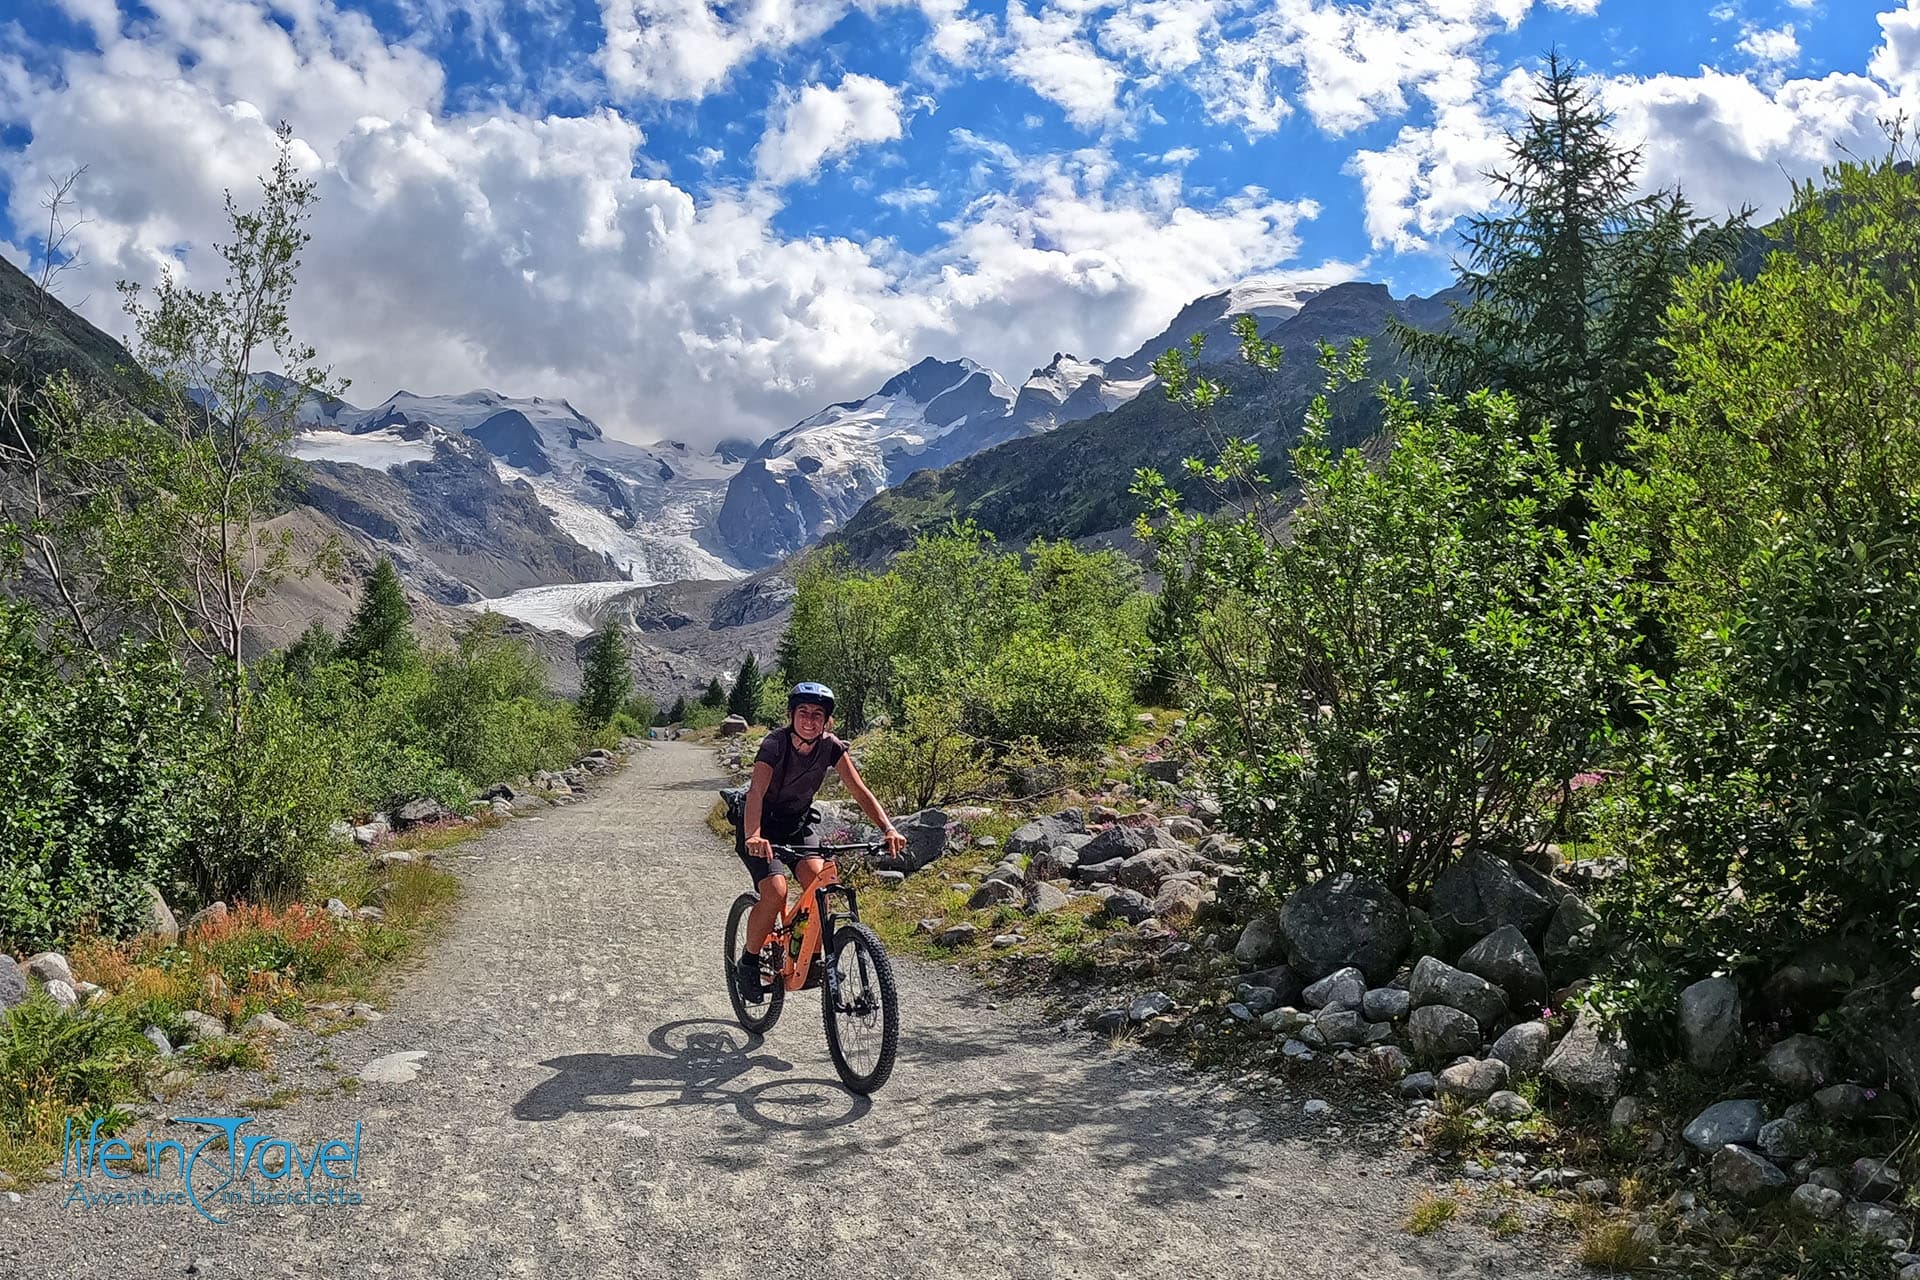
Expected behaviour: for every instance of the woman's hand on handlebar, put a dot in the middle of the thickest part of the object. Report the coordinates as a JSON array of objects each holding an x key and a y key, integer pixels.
[
  {"x": 759, "y": 847},
  {"x": 895, "y": 842}
]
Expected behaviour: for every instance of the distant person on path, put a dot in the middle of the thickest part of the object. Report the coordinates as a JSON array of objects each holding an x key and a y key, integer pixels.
[{"x": 787, "y": 772}]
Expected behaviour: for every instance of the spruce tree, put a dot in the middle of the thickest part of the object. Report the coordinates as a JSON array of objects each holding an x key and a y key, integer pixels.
[
  {"x": 715, "y": 696},
  {"x": 679, "y": 711},
  {"x": 744, "y": 701},
  {"x": 1567, "y": 281},
  {"x": 316, "y": 647},
  {"x": 381, "y": 632},
  {"x": 606, "y": 682}
]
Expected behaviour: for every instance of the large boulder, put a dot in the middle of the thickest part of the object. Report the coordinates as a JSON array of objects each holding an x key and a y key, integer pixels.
[
  {"x": 1260, "y": 943},
  {"x": 1437, "y": 982},
  {"x": 416, "y": 812},
  {"x": 1710, "y": 1030},
  {"x": 1591, "y": 1060},
  {"x": 997, "y": 893},
  {"x": 1342, "y": 920},
  {"x": 1146, "y": 870},
  {"x": 1479, "y": 893},
  {"x": 1802, "y": 1064},
  {"x": 926, "y": 833},
  {"x": 1125, "y": 904},
  {"x": 1523, "y": 1047},
  {"x": 1574, "y": 940},
  {"x": 160, "y": 918},
  {"x": 733, "y": 727},
  {"x": 1737, "y": 1120},
  {"x": 1438, "y": 1033},
  {"x": 1046, "y": 898},
  {"x": 1117, "y": 842},
  {"x": 49, "y": 966},
  {"x": 13, "y": 984},
  {"x": 1046, "y": 833},
  {"x": 1179, "y": 901},
  {"x": 1505, "y": 959}
]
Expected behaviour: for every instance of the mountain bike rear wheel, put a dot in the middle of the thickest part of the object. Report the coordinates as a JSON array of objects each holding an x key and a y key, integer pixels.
[
  {"x": 757, "y": 1016},
  {"x": 860, "y": 1008}
]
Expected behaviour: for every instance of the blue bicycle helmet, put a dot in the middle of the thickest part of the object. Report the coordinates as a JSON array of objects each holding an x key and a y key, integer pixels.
[{"x": 810, "y": 691}]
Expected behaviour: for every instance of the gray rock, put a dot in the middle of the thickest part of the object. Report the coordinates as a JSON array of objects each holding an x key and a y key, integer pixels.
[
  {"x": 1046, "y": 898},
  {"x": 49, "y": 966},
  {"x": 1285, "y": 1021},
  {"x": 415, "y": 812},
  {"x": 1317, "y": 1107},
  {"x": 212, "y": 913},
  {"x": 1436, "y": 982},
  {"x": 1710, "y": 1025},
  {"x": 1789, "y": 1137},
  {"x": 1260, "y": 943},
  {"x": 1815, "y": 1203},
  {"x": 1877, "y": 1223},
  {"x": 1056, "y": 863},
  {"x": 1108, "y": 1022},
  {"x": 1507, "y": 1105},
  {"x": 1573, "y": 941},
  {"x": 160, "y": 919},
  {"x": 996, "y": 893},
  {"x": 61, "y": 993},
  {"x": 338, "y": 909},
  {"x": 1181, "y": 827},
  {"x": 1523, "y": 1047},
  {"x": 891, "y": 879},
  {"x": 1422, "y": 938},
  {"x": 1746, "y": 1176},
  {"x": 1297, "y": 1050},
  {"x": 1504, "y": 959},
  {"x": 1345, "y": 989},
  {"x": 1439, "y": 1033},
  {"x": 264, "y": 1024},
  {"x": 1479, "y": 893},
  {"x": 1421, "y": 1084},
  {"x": 1002, "y": 941},
  {"x": 1161, "y": 770},
  {"x": 1258, "y": 1000},
  {"x": 196, "y": 1026},
  {"x": 1590, "y": 1060},
  {"x": 1386, "y": 1004},
  {"x": 1874, "y": 1179},
  {"x": 1125, "y": 904},
  {"x": 13, "y": 984},
  {"x": 733, "y": 726},
  {"x": 926, "y": 833},
  {"x": 1627, "y": 1112},
  {"x": 1150, "y": 1005},
  {"x": 1474, "y": 1080},
  {"x": 394, "y": 1068},
  {"x": 1341, "y": 921},
  {"x": 1116, "y": 842},
  {"x": 374, "y": 914},
  {"x": 1831, "y": 1179},
  {"x": 1909, "y": 1272},
  {"x": 1341, "y": 1026},
  {"x": 158, "y": 1039},
  {"x": 956, "y": 935},
  {"x": 1179, "y": 901},
  {"x": 1283, "y": 980},
  {"x": 1046, "y": 833},
  {"x": 1098, "y": 872},
  {"x": 1841, "y": 1102},
  {"x": 1737, "y": 1120},
  {"x": 1801, "y": 1063},
  {"x": 1389, "y": 1061}
]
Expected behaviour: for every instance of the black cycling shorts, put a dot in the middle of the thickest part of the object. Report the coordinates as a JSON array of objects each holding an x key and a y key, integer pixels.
[{"x": 806, "y": 834}]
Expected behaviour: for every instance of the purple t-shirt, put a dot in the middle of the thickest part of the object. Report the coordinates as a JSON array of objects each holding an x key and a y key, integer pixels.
[{"x": 796, "y": 777}]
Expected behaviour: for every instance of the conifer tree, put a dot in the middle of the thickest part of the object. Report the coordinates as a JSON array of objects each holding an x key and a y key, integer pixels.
[
  {"x": 715, "y": 696},
  {"x": 316, "y": 647},
  {"x": 607, "y": 681},
  {"x": 381, "y": 632},
  {"x": 678, "y": 712},
  {"x": 744, "y": 701}
]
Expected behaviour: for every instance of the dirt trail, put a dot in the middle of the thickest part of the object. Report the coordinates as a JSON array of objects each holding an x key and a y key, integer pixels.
[{"x": 585, "y": 1107}]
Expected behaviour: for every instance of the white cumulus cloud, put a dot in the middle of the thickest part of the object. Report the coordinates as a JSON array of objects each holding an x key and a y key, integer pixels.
[{"x": 820, "y": 123}]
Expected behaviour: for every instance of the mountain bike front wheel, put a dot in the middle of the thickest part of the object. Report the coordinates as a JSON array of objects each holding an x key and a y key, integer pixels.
[
  {"x": 860, "y": 1008},
  {"x": 757, "y": 1016}
]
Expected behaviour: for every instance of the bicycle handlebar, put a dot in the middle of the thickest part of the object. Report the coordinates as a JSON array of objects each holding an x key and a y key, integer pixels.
[{"x": 824, "y": 850}]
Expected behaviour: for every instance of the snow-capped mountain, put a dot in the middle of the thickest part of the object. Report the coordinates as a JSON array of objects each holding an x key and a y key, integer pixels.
[
  {"x": 808, "y": 480},
  {"x": 649, "y": 509}
]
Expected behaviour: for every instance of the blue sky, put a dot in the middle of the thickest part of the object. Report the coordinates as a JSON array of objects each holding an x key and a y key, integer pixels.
[{"x": 698, "y": 219}]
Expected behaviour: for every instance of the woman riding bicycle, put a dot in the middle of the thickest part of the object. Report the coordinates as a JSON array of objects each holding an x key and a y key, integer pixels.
[{"x": 787, "y": 773}]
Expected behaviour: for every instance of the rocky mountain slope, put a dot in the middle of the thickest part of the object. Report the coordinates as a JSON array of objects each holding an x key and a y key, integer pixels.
[
  {"x": 1072, "y": 482},
  {"x": 805, "y": 482}
]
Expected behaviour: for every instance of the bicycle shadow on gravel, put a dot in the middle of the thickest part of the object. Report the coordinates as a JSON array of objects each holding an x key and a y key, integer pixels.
[{"x": 700, "y": 1062}]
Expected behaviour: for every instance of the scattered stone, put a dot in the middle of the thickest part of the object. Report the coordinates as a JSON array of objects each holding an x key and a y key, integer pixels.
[
  {"x": 1115, "y": 842},
  {"x": 1474, "y": 1080},
  {"x": 1389, "y": 1061},
  {"x": 1285, "y": 1021},
  {"x": 1298, "y": 1050},
  {"x": 1098, "y": 872},
  {"x": 1317, "y": 1107},
  {"x": 1481, "y": 892},
  {"x": 1420, "y": 1084},
  {"x": 1573, "y": 940},
  {"x": 1841, "y": 1102},
  {"x": 1002, "y": 941},
  {"x": 1108, "y": 1022},
  {"x": 61, "y": 993},
  {"x": 891, "y": 879},
  {"x": 1161, "y": 1027},
  {"x": 1590, "y": 1060},
  {"x": 1125, "y": 904},
  {"x": 1789, "y": 1137},
  {"x": 1627, "y": 1112},
  {"x": 394, "y": 1068},
  {"x": 1179, "y": 901},
  {"x": 13, "y": 984},
  {"x": 396, "y": 858},
  {"x": 1874, "y": 1179},
  {"x": 1345, "y": 989},
  {"x": 928, "y": 926},
  {"x": 160, "y": 920},
  {"x": 1504, "y": 959},
  {"x": 264, "y": 1024},
  {"x": 49, "y": 966},
  {"x": 1744, "y": 1175},
  {"x": 1341, "y": 1026},
  {"x": 1259, "y": 943},
  {"x": 1258, "y": 1000},
  {"x": 1046, "y": 833},
  {"x": 1439, "y": 1033},
  {"x": 415, "y": 812},
  {"x": 1801, "y": 1063},
  {"x": 1436, "y": 982},
  {"x": 956, "y": 935},
  {"x": 1046, "y": 898},
  {"x": 1507, "y": 1105},
  {"x": 1876, "y": 1223},
  {"x": 1343, "y": 921},
  {"x": 1737, "y": 1120},
  {"x": 197, "y": 1026},
  {"x": 1710, "y": 1025},
  {"x": 1181, "y": 827},
  {"x": 1817, "y": 1203},
  {"x": 1523, "y": 1047},
  {"x": 373, "y": 915},
  {"x": 1831, "y": 1179},
  {"x": 996, "y": 893},
  {"x": 1386, "y": 1004},
  {"x": 1149, "y": 1005},
  {"x": 338, "y": 909}
]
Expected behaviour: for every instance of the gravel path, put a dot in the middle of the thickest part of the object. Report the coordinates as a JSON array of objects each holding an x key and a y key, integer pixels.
[{"x": 585, "y": 1107}]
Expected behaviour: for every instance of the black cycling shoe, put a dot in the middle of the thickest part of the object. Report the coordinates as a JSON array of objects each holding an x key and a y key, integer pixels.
[{"x": 746, "y": 972}]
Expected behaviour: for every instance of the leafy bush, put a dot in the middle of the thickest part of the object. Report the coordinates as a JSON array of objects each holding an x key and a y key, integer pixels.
[
  {"x": 1416, "y": 661},
  {"x": 54, "y": 1065},
  {"x": 926, "y": 760},
  {"x": 98, "y": 785},
  {"x": 1047, "y": 689}
]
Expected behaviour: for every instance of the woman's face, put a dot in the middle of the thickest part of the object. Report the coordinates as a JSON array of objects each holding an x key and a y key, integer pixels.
[{"x": 811, "y": 720}]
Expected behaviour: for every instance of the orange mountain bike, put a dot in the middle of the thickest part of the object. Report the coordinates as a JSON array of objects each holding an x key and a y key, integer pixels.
[{"x": 839, "y": 955}]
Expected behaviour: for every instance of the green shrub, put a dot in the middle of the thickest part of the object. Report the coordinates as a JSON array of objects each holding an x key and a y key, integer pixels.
[
  {"x": 98, "y": 783},
  {"x": 54, "y": 1066},
  {"x": 1044, "y": 688},
  {"x": 927, "y": 760}
]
